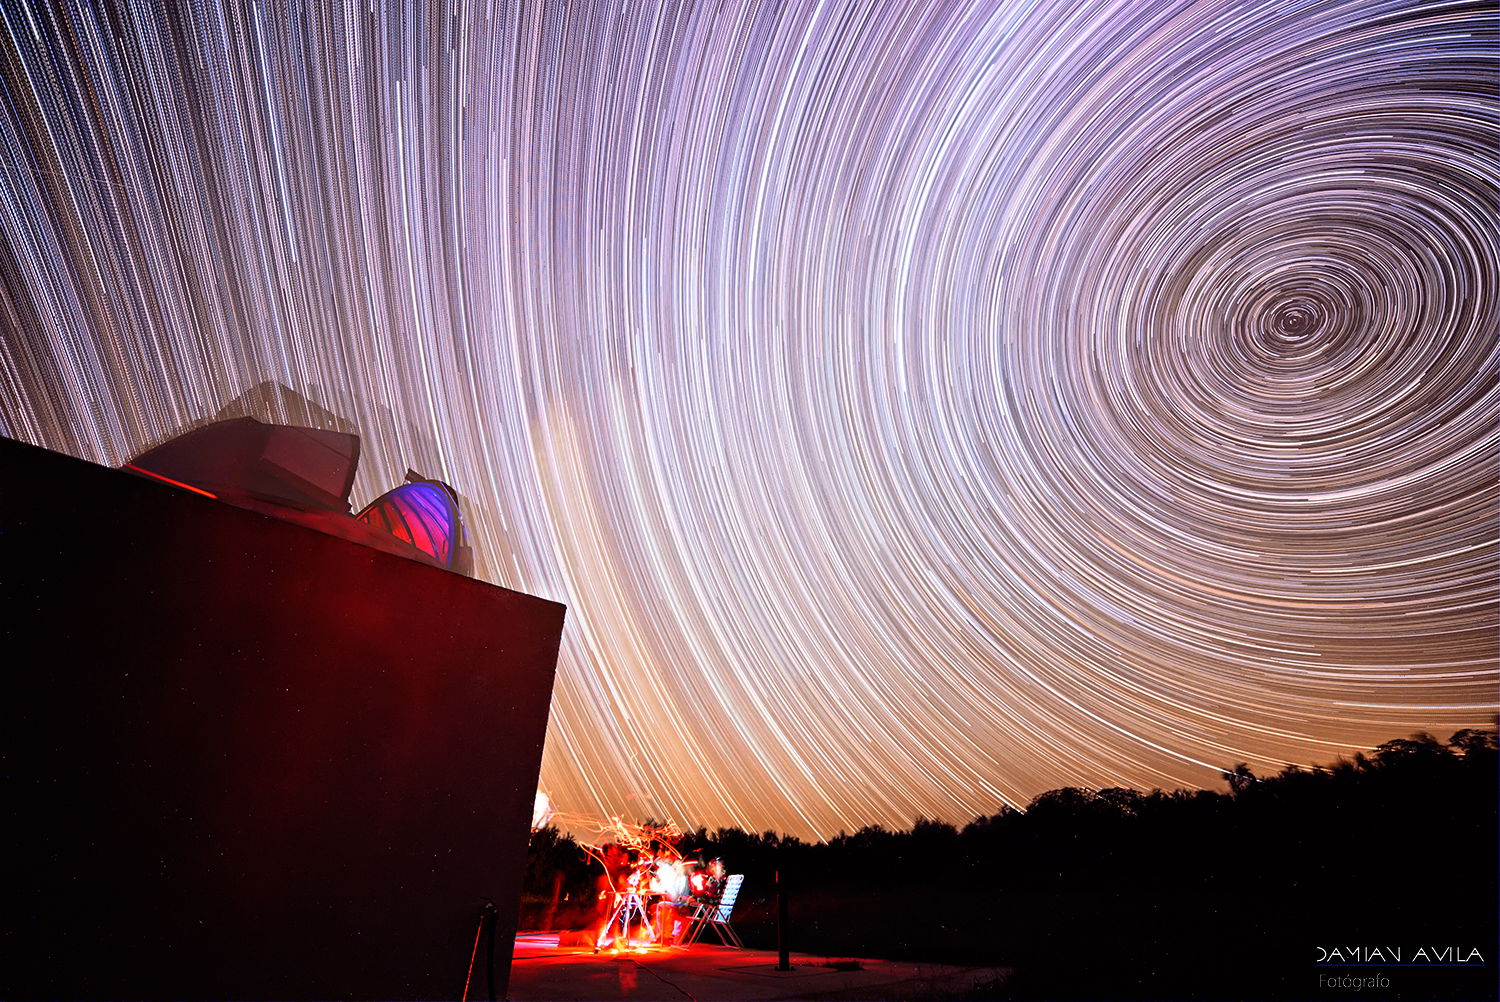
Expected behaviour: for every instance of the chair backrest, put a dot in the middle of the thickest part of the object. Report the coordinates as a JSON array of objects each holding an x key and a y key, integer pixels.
[{"x": 726, "y": 899}]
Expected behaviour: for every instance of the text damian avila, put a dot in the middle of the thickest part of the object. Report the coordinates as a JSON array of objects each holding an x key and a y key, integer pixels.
[{"x": 1399, "y": 955}]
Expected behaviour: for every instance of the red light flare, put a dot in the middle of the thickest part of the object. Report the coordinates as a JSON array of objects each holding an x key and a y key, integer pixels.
[
  {"x": 628, "y": 926},
  {"x": 169, "y": 480}
]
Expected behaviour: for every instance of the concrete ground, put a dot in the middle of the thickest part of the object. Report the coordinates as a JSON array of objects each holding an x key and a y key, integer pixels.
[{"x": 546, "y": 972}]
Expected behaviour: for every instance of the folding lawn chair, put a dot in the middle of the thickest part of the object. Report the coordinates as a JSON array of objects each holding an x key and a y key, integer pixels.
[{"x": 716, "y": 914}]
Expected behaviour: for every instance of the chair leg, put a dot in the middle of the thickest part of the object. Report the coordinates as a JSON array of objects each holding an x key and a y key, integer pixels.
[{"x": 727, "y": 935}]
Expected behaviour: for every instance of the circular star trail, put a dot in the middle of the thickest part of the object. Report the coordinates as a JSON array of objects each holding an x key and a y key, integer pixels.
[{"x": 918, "y": 406}]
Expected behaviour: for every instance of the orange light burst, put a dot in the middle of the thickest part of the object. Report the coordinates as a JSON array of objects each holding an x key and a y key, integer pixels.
[{"x": 631, "y": 883}]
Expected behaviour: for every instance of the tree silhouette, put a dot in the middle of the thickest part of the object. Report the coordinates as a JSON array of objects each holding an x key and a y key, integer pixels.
[{"x": 1239, "y": 778}]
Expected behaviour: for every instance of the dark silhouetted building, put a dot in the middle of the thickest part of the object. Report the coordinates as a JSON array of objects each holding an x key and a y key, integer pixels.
[{"x": 256, "y": 746}]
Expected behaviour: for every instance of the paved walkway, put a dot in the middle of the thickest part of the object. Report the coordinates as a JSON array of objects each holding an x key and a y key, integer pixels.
[{"x": 544, "y": 972}]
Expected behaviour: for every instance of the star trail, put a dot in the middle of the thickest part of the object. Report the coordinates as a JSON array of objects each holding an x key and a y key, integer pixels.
[{"x": 919, "y": 406}]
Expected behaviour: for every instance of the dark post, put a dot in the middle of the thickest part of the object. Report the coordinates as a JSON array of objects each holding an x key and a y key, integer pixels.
[
  {"x": 490, "y": 915},
  {"x": 782, "y": 933}
]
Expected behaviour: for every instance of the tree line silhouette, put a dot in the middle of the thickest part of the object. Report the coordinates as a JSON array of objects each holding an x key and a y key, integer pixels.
[{"x": 1119, "y": 893}]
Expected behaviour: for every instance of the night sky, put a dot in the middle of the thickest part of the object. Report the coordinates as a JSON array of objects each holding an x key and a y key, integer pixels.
[{"x": 919, "y": 406}]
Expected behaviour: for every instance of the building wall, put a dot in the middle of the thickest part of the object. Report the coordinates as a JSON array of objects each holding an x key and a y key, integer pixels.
[{"x": 244, "y": 759}]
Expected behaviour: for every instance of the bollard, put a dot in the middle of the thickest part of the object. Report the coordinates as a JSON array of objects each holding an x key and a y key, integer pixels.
[{"x": 782, "y": 945}]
